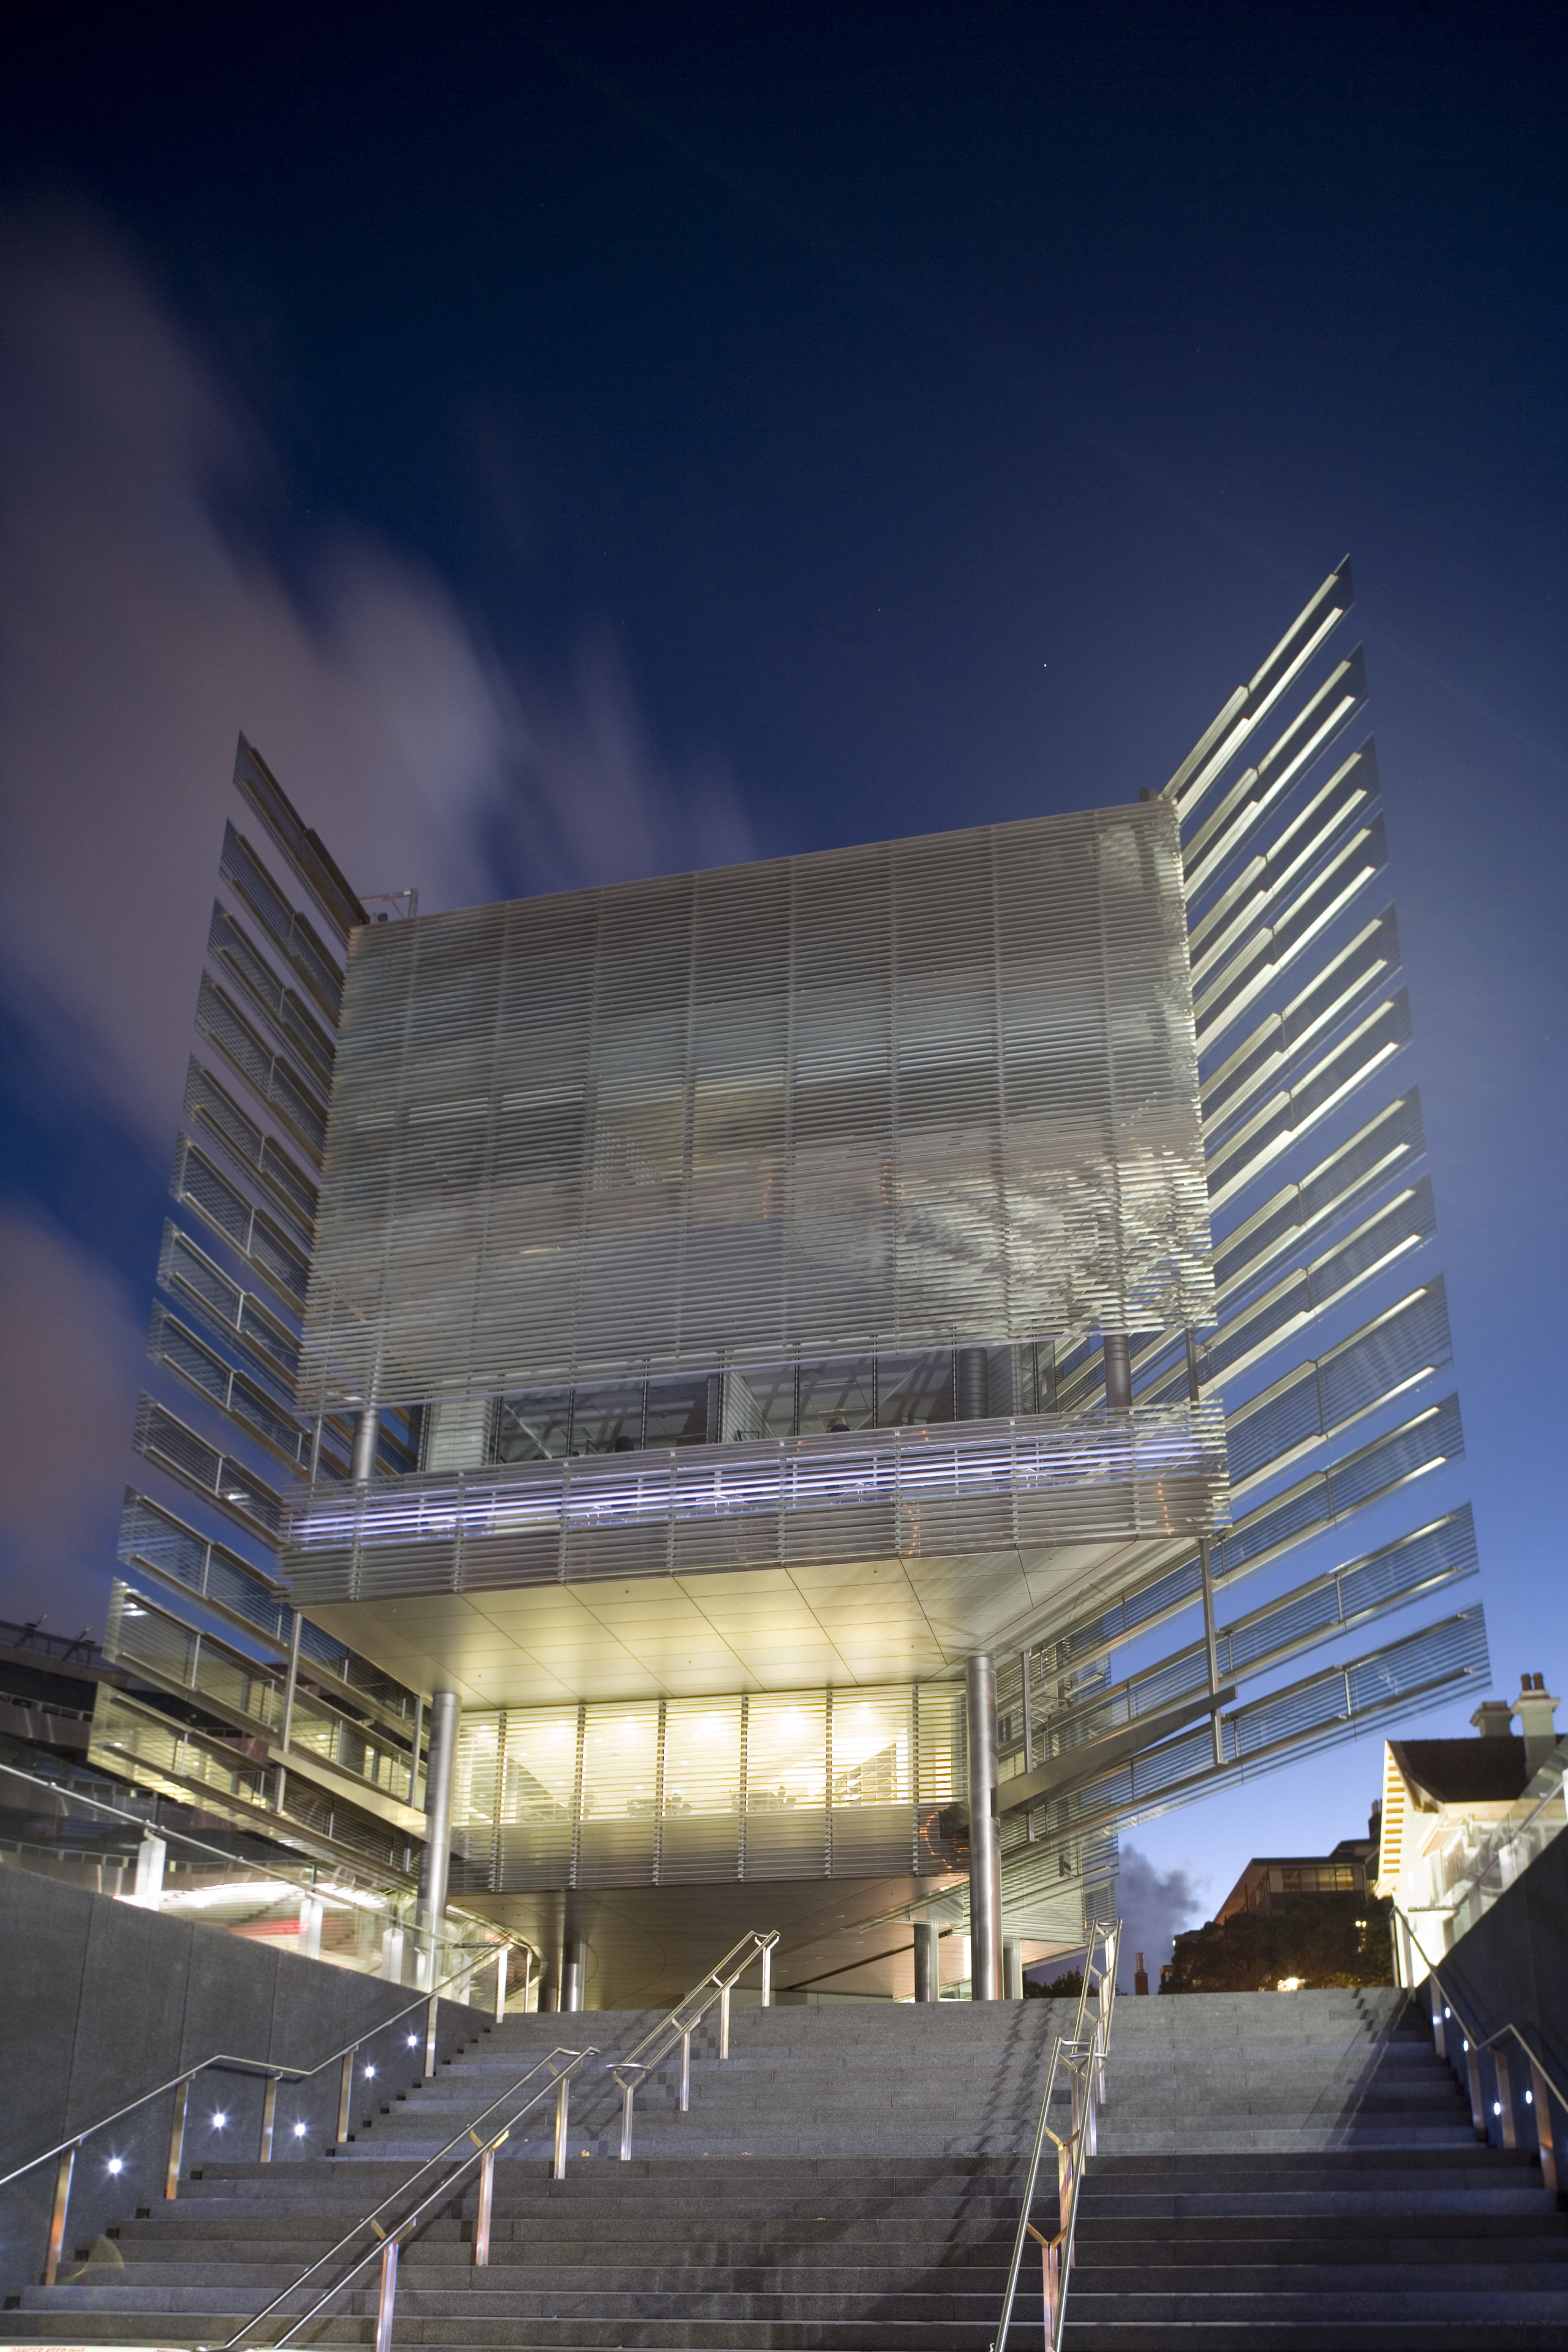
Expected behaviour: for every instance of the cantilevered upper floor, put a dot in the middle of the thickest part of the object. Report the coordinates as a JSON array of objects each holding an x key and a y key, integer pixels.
[{"x": 728, "y": 1228}]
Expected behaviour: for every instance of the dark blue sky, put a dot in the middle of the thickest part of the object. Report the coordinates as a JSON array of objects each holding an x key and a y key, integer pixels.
[{"x": 811, "y": 424}]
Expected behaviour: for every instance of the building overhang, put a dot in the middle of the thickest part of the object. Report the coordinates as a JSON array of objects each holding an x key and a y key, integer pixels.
[{"x": 868, "y": 1557}]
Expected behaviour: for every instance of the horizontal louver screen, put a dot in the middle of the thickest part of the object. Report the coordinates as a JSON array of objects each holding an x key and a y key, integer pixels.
[
  {"x": 932, "y": 1091},
  {"x": 964, "y": 1487}
]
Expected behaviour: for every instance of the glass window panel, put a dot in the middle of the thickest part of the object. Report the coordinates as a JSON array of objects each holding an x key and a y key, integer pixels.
[
  {"x": 539, "y": 1774},
  {"x": 915, "y": 1389},
  {"x": 701, "y": 1756},
  {"x": 313, "y": 1729},
  {"x": 941, "y": 1715},
  {"x": 608, "y": 1420},
  {"x": 786, "y": 1751},
  {"x": 872, "y": 1748},
  {"x": 533, "y": 1427},
  {"x": 620, "y": 1762},
  {"x": 678, "y": 1413},
  {"x": 836, "y": 1390}
]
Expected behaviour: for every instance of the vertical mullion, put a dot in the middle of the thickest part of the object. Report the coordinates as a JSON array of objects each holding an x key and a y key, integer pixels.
[
  {"x": 827, "y": 1783},
  {"x": 577, "y": 1793},
  {"x": 658, "y": 1794},
  {"x": 743, "y": 1792}
]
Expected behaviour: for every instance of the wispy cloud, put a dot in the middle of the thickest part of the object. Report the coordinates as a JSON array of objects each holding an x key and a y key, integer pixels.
[
  {"x": 69, "y": 1373},
  {"x": 141, "y": 626},
  {"x": 596, "y": 802},
  {"x": 139, "y": 630}
]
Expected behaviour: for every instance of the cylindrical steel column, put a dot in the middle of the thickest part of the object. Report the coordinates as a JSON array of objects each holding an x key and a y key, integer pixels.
[
  {"x": 928, "y": 1961},
  {"x": 1118, "y": 1370},
  {"x": 438, "y": 1812},
  {"x": 984, "y": 1841},
  {"x": 971, "y": 1386},
  {"x": 573, "y": 1975},
  {"x": 367, "y": 1428},
  {"x": 1012, "y": 1971}
]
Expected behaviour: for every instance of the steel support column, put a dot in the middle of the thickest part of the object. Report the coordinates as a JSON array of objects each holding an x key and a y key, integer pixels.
[
  {"x": 928, "y": 1961},
  {"x": 984, "y": 1841},
  {"x": 439, "y": 1816},
  {"x": 1118, "y": 1349},
  {"x": 367, "y": 1429}
]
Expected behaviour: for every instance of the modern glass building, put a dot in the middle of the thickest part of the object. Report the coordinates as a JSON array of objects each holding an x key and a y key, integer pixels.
[{"x": 759, "y": 1392}]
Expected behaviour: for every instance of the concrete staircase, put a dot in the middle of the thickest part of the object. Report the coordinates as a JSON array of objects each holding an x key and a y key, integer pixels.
[
  {"x": 1301, "y": 2172},
  {"x": 1274, "y": 2170}
]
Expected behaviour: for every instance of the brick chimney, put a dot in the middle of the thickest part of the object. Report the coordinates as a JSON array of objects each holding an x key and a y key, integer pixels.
[
  {"x": 1535, "y": 1707},
  {"x": 1494, "y": 1719}
]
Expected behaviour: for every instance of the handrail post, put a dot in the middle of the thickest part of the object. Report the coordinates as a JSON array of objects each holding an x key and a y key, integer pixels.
[
  {"x": 177, "y": 2138},
  {"x": 1050, "y": 2287},
  {"x": 482, "y": 2221},
  {"x": 1505, "y": 2099},
  {"x": 430, "y": 2035},
  {"x": 627, "y": 2094},
  {"x": 1545, "y": 2127},
  {"x": 559, "y": 2170},
  {"x": 64, "y": 2169},
  {"x": 724, "y": 2022},
  {"x": 767, "y": 1999},
  {"x": 268, "y": 2118},
  {"x": 685, "y": 2071},
  {"x": 1473, "y": 2075},
  {"x": 346, "y": 2091},
  {"x": 387, "y": 2299}
]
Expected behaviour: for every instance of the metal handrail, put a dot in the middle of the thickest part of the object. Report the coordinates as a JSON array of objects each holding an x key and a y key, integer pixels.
[
  {"x": 684, "y": 2018},
  {"x": 388, "y": 2241},
  {"x": 66, "y": 2150},
  {"x": 1084, "y": 2057},
  {"x": 1544, "y": 2085}
]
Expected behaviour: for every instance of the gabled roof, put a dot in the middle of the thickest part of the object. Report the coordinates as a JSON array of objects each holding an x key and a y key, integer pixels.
[{"x": 1462, "y": 1771}]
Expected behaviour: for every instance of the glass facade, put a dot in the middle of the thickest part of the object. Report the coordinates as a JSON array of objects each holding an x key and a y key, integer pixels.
[
  {"x": 749, "y": 1292},
  {"x": 784, "y": 1785},
  {"x": 872, "y": 1102}
]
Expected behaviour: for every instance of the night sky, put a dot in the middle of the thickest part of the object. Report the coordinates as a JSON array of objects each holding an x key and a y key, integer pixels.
[{"x": 583, "y": 442}]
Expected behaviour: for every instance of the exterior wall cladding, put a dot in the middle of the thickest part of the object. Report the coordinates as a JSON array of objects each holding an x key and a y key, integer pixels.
[
  {"x": 885, "y": 1099},
  {"x": 765, "y": 1228},
  {"x": 680, "y": 1171}
]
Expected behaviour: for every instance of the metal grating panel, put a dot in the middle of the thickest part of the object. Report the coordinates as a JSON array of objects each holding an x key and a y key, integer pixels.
[
  {"x": 1396, "y": 1574},
  {"x": 226, "y": 1307},
  {"x": 922, "y": 1093},
  {"x": 247, "y": 1229},
  {"x": 155, "y": 1539},
  {"x": 964, "y": 1487},
  {"x": 201, "y": 1368},
  {"x": 251, "y": 1148},
  {"x": 162, "y": 1437},
  {"x": 1323, "y": 1396}
]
